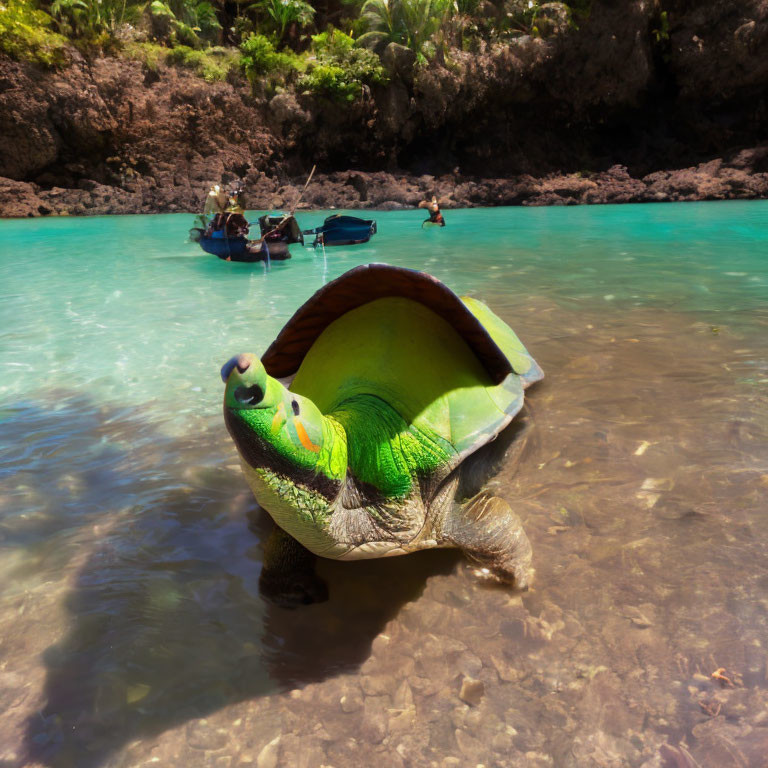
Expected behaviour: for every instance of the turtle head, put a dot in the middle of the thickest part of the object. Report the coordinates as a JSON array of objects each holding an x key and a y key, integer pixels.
[{"x": 279, "y": 430}]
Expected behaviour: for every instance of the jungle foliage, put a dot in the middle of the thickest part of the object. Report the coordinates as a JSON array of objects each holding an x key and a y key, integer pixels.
[
  {"x": 341, "y": 71},
  {"x": 26, "y": 34},
  {"x": 329, "y": 49}
]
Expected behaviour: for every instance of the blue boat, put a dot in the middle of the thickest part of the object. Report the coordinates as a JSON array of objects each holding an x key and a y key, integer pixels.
[
  {"x": 233, "y": 248},
  {"x": 277, "y": 232},
  {"x": 340, "y": 229}
]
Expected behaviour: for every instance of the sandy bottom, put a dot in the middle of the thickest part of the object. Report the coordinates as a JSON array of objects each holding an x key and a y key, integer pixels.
[{"x": 132, "y": 632}]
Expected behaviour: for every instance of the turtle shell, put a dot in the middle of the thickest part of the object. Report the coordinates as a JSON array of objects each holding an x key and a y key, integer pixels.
[
  {"x": 367, "y": 283},
  {"x": 448, "y": 366}
]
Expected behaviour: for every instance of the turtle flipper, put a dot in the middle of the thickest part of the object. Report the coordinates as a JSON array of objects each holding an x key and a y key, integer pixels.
[
  {"x": 288, "y": 577},
  {"x": 491, "y": 534}
]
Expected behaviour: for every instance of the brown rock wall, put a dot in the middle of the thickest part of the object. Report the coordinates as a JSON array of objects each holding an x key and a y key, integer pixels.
[
  {"x": 619, "y": 109},
  {"x": 714, "y": 180}
]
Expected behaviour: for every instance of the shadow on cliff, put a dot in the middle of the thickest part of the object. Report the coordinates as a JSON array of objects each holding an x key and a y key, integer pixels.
[{"x": 165, "y": 620}]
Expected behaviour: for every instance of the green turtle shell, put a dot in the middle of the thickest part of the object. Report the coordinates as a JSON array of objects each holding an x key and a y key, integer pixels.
[{"x": 379, "y": 335}]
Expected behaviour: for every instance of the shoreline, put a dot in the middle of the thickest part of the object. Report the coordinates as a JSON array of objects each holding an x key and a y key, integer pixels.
[
  {"x": 614, "y": 110},
  {"x": 732, "y": 178}
]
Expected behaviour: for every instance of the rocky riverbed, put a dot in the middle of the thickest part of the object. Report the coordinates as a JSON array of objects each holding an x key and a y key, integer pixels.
[{"x": 640, "y": 477}]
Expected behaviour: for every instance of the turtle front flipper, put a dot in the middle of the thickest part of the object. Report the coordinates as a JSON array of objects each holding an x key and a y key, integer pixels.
[
  {"x": 487, "y": 530},
  {"x": 288, "y": 577}
]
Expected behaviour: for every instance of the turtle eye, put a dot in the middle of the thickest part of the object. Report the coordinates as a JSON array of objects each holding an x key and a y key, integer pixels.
[
  {"x": 295, "y": 407},
  {"x": 249, "y": 395}
]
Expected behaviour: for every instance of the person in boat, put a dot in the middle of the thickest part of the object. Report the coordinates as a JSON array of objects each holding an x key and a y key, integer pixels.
[
  {"x": 235, "y": 224},
  {"x": 231, "y": 220},
  {"x": 215, "y": 201},
  {"x": 435, "y": 217}
]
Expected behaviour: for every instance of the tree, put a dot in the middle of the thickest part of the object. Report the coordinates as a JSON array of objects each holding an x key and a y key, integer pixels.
[
  {"x": 413, "y": 23},
  {"x": 282, "y": 14}
]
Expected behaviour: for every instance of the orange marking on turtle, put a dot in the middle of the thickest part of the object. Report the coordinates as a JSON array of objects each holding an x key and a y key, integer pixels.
[{"x": 304, "y": 437}]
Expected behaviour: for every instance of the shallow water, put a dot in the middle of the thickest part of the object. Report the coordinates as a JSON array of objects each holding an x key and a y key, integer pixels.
[{"x": 131, "y": 628}]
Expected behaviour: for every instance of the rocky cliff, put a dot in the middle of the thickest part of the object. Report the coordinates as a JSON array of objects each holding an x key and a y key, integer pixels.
[{"x": 622, "y": 108}]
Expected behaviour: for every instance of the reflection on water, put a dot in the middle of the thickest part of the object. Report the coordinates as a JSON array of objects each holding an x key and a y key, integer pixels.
[{"x": 132, "y": 632}]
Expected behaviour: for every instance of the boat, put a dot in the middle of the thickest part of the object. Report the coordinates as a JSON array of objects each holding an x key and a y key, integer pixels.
[
  {"x": 340, "y": 229},
  {"x": 278, "y": 231},
  {"x": 241, "y": 248}
]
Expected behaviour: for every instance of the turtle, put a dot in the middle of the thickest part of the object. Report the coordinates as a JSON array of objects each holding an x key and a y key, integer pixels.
[{"x": 370, "y": 425}]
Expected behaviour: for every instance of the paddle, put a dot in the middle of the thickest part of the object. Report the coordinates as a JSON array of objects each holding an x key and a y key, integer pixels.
[
  {"x": 287, "y": 216},
  {"x": 298, "y": 199}
]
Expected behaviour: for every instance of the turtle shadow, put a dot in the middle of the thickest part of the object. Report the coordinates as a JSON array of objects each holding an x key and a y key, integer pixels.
[
  {"x": 165, "y": 621},
  {"x": 315, "y": 642}
]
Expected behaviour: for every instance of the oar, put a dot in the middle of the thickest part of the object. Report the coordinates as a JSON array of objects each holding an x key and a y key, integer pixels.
[
  {"x": 298, "y": 200},
  {"x": 295, "y": 205}
]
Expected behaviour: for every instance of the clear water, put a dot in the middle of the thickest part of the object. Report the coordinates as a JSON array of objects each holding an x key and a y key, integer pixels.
[{"x": 131, "y": 629}]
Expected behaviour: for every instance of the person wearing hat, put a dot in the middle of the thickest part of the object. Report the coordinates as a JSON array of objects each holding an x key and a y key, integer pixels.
[
  {"x": 215, "y": 201},
  {"x": 234, "y": 205},
  {"x": 235, "y": 223},
  {"x": 435, "y": 217}
]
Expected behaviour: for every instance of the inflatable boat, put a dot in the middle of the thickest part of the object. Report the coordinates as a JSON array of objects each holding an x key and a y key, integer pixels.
[{"x": 340, "y": 229}]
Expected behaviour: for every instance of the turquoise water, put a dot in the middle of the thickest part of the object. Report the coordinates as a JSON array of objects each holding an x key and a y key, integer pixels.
[
  {"x": 132, "y": 628},
  {"x": 124, "y": 309}
]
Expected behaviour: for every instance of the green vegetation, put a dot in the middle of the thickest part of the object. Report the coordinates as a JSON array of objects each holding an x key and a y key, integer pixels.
[
  {"x": 412, "y": 23},
  {"x": 26, "y": 34},
  {"x": 661, "y": 33},
  {"x": 184, "y": 21},
  {"x": 211, "y": 64},
  {"x": 341, "y": 70},
  {"x": 276, "y": 42},
  {"x": 174, "y": 20},
  {"x": 539, "y": 19},
  {"x": 90, "y": 18},
  {"x": 280, "y": 15},
  {"x": 523, "y": 17},
  {"x": 151, "y": 55},
  {"x": 259, "y": 57}
]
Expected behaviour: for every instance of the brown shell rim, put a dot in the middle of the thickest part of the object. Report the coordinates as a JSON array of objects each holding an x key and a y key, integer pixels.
[{"x": 367, "y": 283}]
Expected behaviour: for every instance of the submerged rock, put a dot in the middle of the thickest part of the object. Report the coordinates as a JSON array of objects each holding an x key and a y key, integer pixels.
[{"x": 472, "y": 691}]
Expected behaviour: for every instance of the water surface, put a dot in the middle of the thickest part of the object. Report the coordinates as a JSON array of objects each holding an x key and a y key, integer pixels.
[{"x": 131, "y": 629}]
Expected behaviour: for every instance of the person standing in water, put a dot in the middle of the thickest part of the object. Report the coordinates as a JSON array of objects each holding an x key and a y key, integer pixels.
[{"x": 435, "y": 217}]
